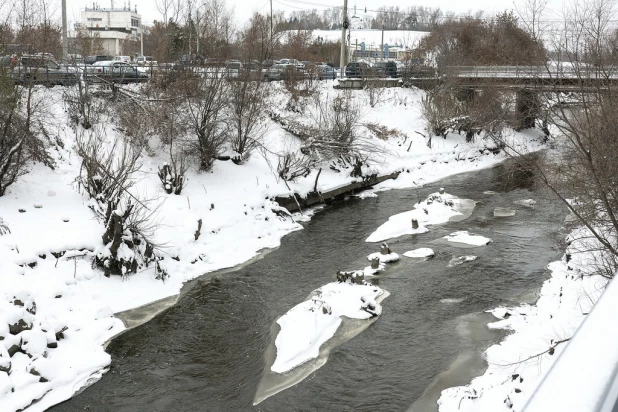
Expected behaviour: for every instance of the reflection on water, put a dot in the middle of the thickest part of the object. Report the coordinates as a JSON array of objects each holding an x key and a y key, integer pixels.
[{"x": 208, "y": 353}]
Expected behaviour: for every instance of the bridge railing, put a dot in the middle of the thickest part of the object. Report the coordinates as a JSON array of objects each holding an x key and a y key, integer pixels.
[{"x": 531, "y": 72}]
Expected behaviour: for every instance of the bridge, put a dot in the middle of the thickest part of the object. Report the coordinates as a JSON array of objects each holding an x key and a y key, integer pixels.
[
  {"x": 528, "y": 81},
  {"x": 534, "y": 78}
]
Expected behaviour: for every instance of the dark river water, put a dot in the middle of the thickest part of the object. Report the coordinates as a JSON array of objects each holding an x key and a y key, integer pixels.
[{"x": 207, "y": 353}]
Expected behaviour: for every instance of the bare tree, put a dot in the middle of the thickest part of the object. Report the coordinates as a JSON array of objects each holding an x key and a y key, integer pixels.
[
  {"x": 206, "y": 98},
  {"x": 247, "y": 117},
  {"x": 582, "y": 175}
]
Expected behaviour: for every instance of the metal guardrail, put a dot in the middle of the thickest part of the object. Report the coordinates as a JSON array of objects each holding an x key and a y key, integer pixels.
[{"x": 533, "y": 72}]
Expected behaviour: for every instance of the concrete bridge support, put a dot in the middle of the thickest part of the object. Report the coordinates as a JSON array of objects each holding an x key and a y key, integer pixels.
[{"x": 527, "y": 109}]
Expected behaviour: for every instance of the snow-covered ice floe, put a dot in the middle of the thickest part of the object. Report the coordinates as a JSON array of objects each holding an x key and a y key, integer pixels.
[
  {"x": 423, "y": 252},
  {"x": 503, "y": 212},
  {"x": 305, "y": 327},
  {"x": 307, "y": 333},
  {"x": 467, "y": 238},
  {"x": 525, "y": 202},
  {"x": 387, "y": 258},
  {"x": 459, "y": 260},
  {"x": 436, "y": 209},
  {"x": 452, "y": 300}
]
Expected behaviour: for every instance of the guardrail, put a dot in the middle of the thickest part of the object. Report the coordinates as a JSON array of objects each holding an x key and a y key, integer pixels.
[{"x": 533, "y": 72}]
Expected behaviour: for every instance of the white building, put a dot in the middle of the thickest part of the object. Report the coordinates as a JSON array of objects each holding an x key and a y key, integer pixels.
[
  {"x": 361, "y": 21},
  {"x": 112, "y": 25}
]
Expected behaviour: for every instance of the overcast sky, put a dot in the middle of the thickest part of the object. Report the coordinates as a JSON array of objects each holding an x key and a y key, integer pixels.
[{"x": 243, "y": 9}]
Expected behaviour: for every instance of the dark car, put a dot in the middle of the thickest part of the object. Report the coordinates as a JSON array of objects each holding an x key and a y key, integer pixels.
[
  {"x": 358, "y": 70},
  {"x": 115, "y": 71},
  {"x": 326, "y": 72},
  {"x": 386, "y": 69},
  {"x": 93, "y": 59},
  {"x": 42, "y": 69}
]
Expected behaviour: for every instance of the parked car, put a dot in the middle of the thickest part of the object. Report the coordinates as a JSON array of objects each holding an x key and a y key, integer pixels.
[
  {"x": 326, "y": 72},
  {"x": 283, "y": 72},
  {"x": 358, "y": 70},
  {"x": 144, "y": 60},
  {"x": 386, "y": 69},
  {"x": 124, "y": 59},
  {"x": 42, "y": 69},
  {"x": 115, "y": 71},
  {"x": 292, "y": 62},
  {"x": 233, "y": 68},
  {"x": 99, "y": 58}
]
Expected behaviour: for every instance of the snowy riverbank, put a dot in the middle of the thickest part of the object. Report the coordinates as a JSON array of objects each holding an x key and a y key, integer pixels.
[
  {"x": 56, "y": 311},
  {"x": 539, "y": 333}
]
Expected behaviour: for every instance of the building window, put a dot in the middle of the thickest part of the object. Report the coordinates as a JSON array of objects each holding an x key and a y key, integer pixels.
[
  {"x": 95, "y": 19},
  {"x": 134, "y": 22}
]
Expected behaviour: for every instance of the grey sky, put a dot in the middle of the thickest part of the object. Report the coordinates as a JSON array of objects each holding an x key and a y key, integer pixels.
[{"x": 243, "y": 9}]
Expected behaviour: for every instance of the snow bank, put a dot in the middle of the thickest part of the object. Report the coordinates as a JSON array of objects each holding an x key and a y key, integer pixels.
[
  {"x": 437, "y": 208},
  {"x": 539, "y": 334},
  {"x": 467, "y": 238},
  {"x": 305, "y": 327}
]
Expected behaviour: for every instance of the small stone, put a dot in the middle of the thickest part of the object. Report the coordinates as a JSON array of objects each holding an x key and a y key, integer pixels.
[
  {"x": 38, "y": 206},
  {"x": 441, "y": 191},
  {"x": 414, "y": 224},
  {"x": 65, "y": 219},
  {"x": 22, "y": 210},
  {"x": 52, "y": 345},
  {"x": 43, "y": 256},
  {"x": 18, "y": 302},
  {"x": 43, "y": 380},
  {"x": 31, "y": 309}
]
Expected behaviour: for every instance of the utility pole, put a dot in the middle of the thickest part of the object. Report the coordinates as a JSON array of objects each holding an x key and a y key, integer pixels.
[
  {"x": 141, "y": 35},
  {"x": 271, "y": 30},
  {"x": 382, "y": 44},
  {"x": 342, "y": 58},
  {"x": 197, "y": 30},
  {"x": 65, "y": 39}
]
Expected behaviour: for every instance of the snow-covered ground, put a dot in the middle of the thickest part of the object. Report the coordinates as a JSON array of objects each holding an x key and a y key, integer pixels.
[
  {"x": 373, "y": 38},
  {"x": 540, "y": 333},
  {"x": 49, "y": 351}
]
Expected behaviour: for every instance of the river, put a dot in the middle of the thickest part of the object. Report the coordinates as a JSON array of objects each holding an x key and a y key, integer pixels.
[{"x": 207, "y": 353}]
